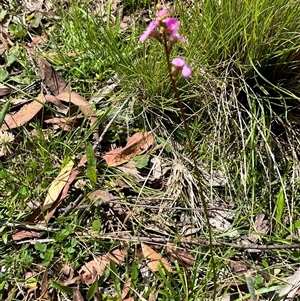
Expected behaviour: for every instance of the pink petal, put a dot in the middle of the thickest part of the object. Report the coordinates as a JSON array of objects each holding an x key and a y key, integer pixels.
[
  {"x": 186, "y": 71},
  {"x": 172, "y": 24},
  {"x": 153, "y": 25},
  {"x": 144, "y": 36},
  {"x": 162, "y": 13},
  {"x": 178, "y": 62},
  {"x": 148, "y": 31},
  {"x": 176, "y": 36}
]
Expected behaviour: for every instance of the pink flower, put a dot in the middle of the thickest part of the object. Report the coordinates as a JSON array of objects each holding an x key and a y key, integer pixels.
[
  {"x": 181, "y": 64},
  {"x": 150, "y": 31},
  {"x": 173, "y": 26},
  {"x": 160, "y": 24},
  {"x": 162, "y": 14}
]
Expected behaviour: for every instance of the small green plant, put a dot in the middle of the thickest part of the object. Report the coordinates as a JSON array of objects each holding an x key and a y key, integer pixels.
[
  {"x": 91, "y": 171},
  {"x": 46, "y": 253}
]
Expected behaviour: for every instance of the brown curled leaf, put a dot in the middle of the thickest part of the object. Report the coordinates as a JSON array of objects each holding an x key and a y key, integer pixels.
[
  {"x": 65, "y": 123},
  {"x": 52, "y": 79},
  {"x": 25, "y": 114},
  {"x": 84, "y": 106},
  {"x": 135, "y": 146},
  {"x": 153, "y": 259},
  {"x": 96, "y": 267}
]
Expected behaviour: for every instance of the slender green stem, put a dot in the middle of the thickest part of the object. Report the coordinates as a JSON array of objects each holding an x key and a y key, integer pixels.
[{"x": 192, "y": 149}]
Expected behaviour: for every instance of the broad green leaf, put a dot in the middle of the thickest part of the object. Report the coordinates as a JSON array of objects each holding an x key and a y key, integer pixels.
[
  {"x": 73, "y": 242},
  {"x": 141, "y": 161},
  {"x": 61, "y": 235},
  {"x": 21, "y": 79},
  {"x": 92, "y": 289},
  {"x": 96, "y": 226},
  {"x": 40, "y": 247},
  {"x": 279, "y": 208},
  {"x": 13, "y": 55},
  {"x": 92, "y": 174},
  {"x": 134, "y": 273},
  {"x": 3, "y": 75},
  {"x": 5, "y": 238},
  {"x": 61, "y": 288},
  {"x": 90, "y": 155},
  {"x": 4, "y": 111},
  {"x": 3, "y": 13},
  {"x": 31, "y": 282},
  {"x": 71, "y": 250},
  {"x": 168, "y": 148},
  {"x": 91, "y": 171}
]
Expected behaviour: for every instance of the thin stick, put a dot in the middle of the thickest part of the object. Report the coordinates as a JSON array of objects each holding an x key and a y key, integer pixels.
[
  {"x": 72, "y": 205},
  {"x": 121, "y": 202},
  {"x": 96, "y": 145},
  {"x": 29, "y": 227}
]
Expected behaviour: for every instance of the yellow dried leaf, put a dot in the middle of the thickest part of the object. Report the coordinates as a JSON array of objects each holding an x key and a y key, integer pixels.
[{"x": 57, "y": 185}]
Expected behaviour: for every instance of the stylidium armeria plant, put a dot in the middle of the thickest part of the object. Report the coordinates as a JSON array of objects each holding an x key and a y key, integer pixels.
[{"x": 165, "y": 30}]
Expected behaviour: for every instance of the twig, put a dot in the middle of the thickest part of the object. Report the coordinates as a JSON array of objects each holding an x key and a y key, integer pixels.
[
  {"x": 96, "y": 145},
  {"x": 119, "y": 201},
  {"x": 72, "y": 205},
  {"x": 34, "y": 241},
  {"x": 29, "y": 227}
]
